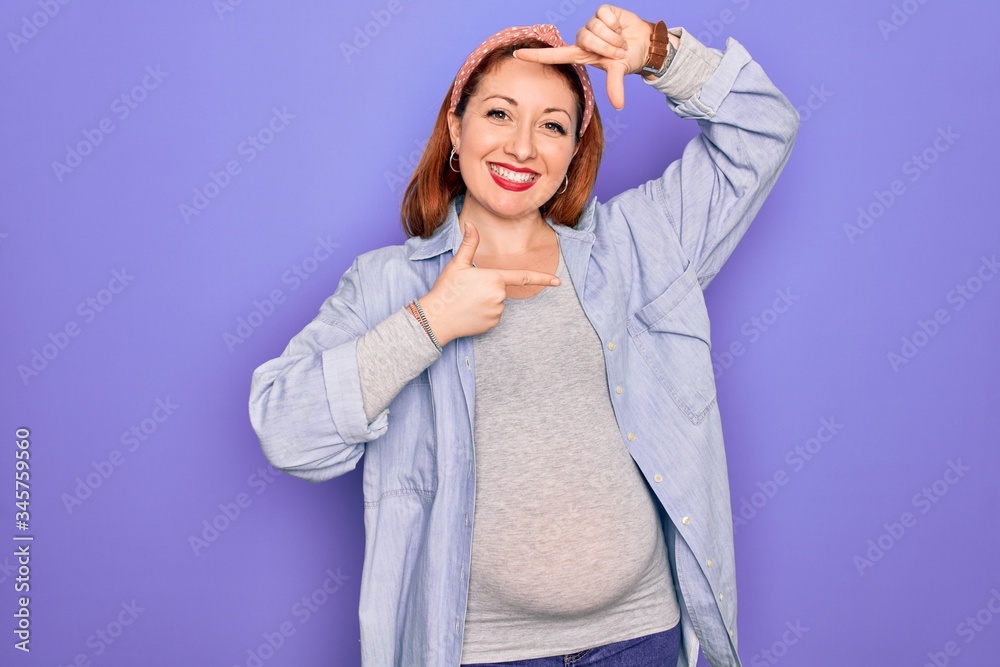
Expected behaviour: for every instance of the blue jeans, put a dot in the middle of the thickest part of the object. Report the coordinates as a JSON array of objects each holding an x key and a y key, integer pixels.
[{"x": 660, "y": 649}]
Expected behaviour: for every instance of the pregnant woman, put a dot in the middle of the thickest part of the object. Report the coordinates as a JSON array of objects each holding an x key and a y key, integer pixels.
[{"x": 528, "y": 376}]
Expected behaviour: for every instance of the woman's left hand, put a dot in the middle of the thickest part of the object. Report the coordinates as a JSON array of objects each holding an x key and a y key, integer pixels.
[{"x": 613, "y": 39}]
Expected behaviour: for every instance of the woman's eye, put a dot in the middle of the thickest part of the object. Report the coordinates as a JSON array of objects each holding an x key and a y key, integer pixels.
[
  {"x": 497, "y": 113},
  {"x": 552, "y": 125}
]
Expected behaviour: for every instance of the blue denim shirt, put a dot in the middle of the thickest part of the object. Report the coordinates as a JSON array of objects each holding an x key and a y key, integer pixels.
[{"x": 639, "y": 263}]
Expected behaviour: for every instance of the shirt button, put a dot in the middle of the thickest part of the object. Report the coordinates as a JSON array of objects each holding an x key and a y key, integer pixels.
[
  {"x": 657, "y": 477},
  {"x": 611, "y": 345},
  {"x": 730, "y": 633},
  {"x": 686, "y": 520},
  {"x": 720, "y": 597},
  {"x": 710, "y": 562},
  {"x": 631, "y": 436},
  {"x": 618, "y": 389}
]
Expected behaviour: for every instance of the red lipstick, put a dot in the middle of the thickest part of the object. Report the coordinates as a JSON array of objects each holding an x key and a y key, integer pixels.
[{"x": 512, "y": 185}]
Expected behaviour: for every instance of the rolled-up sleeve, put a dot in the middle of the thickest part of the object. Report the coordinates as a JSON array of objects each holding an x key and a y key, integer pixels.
[
  {"x": 709, "y": 196},
  {"x": 306, "y": 405},
  {"x": 692, "y": 66}
]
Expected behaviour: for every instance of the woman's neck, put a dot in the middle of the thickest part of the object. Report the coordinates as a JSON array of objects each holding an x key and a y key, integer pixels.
[{"x": 500, "y": 237}]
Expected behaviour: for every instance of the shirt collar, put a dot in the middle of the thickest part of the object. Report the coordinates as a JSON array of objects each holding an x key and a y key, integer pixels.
[{"x": 448, "y": 236}]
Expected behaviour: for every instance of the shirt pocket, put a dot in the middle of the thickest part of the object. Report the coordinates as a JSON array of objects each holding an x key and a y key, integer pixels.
[
  {"x": 403, "y": 462},
  {"x": 672, "y": 334}
]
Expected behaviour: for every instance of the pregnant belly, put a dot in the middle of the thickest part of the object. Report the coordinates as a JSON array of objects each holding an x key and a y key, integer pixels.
[{"x": 566, "y": 548}]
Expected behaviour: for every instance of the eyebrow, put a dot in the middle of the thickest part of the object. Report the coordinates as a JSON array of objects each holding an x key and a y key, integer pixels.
[{"x": 513, "y": 102}]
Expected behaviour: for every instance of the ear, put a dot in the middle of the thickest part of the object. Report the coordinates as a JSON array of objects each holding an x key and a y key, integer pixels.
[{"x": 454, "y": 128}]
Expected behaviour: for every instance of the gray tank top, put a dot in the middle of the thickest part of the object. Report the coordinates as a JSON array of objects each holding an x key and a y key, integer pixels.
[{"x": 568, "y": 551}]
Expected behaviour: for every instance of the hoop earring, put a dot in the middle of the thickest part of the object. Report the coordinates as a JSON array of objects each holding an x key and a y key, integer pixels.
[
  {"x": 565, "y": 185},
  {"x": 449, "y": 161}
]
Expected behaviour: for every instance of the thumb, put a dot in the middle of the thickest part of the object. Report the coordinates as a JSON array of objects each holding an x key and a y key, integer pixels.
[
  {"x": 616, "y": 85},
  {"x": 470, "y": 241}
]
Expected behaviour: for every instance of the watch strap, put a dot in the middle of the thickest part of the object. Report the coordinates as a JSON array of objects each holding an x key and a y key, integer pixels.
[{"x": 659, "y": 43}]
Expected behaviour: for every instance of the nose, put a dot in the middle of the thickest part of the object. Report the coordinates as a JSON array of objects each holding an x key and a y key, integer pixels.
[{"x": 521, "y": 142}]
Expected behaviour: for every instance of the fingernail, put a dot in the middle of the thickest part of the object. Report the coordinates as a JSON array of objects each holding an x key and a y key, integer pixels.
[
  {"x": 556, "y": 281},
  {"x": 620, "y": 53}
]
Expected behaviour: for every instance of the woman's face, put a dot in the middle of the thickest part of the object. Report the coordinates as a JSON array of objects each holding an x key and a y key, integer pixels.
[{"x": 516, "y": 138}]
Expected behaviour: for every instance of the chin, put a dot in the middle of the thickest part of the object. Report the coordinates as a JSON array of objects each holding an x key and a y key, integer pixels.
[{"x": 508, "y": 205}]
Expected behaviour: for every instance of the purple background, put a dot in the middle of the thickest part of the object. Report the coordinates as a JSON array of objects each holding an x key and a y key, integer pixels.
[{"x": 870, "y": 100}]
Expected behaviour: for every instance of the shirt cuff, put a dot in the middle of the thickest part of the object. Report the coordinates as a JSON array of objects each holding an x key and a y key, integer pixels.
[
  {"x": 391, "y": 355},
  {"x": 343, "y": 392},
  {"x": 693, "y": 65}
]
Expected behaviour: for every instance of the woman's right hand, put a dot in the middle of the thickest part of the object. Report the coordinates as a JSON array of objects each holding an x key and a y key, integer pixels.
[
  {"x": 468, "y": 300},
  {"x": 613, "y": 39}
]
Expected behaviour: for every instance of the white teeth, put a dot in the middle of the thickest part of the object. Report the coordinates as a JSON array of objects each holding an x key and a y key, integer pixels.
[{"x": 513, "y": 176}]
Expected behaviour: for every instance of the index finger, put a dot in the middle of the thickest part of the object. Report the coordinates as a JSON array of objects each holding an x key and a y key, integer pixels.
[
  {"x": 527, "y": 277},
  {"x": 553, "y": 55}
]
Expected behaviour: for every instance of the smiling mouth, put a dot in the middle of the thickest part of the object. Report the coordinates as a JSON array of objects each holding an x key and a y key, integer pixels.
[{"x": 516, "y": 177}]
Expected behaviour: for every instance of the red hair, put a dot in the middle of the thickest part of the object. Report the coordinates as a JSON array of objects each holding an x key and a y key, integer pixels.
[{"x": 433, "y": 184}]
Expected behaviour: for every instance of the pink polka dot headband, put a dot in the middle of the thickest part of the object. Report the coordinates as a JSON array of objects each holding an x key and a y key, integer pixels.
[{"x": 543, "y": 31}]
